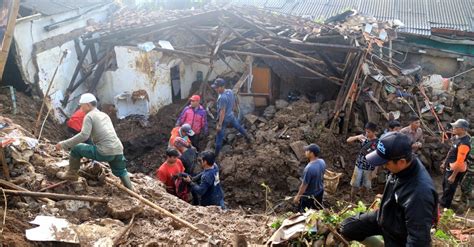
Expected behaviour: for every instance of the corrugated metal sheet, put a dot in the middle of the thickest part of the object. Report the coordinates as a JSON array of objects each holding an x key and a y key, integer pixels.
[
  {"x": 52, "y": 7},
  {"x": 419, "y": 16}
]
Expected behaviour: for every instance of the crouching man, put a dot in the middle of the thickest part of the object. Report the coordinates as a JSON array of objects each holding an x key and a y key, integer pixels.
[
  {"x": 209, "y": 189},
  {"x": 409, "y": 203},
  {"x": 107, "y": 146}
]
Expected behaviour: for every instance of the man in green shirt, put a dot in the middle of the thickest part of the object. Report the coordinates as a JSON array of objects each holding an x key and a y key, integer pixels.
[{"x": 107, "y": 146}]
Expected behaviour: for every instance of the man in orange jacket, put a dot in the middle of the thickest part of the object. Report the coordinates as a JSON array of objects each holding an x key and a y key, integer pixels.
[
  {"x": 184, "y": 132},
  {"x": 455, "y": 166}
]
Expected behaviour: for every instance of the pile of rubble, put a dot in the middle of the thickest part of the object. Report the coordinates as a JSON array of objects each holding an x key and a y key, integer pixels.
[
  {"x": 101, "y": 213},
  {"x": 435, "y": 100},
  {"x": 266, "y": 173}
]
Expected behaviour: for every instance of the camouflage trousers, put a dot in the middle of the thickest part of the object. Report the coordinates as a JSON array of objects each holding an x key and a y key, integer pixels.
[{"x": 466, "y": 185}]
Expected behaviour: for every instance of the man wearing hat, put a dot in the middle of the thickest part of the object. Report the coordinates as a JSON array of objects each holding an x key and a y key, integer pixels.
[
  {"x": 183, "y": 132},
  {"x": 107, "y": 146},
  {"x": 409, "y": 205},
  {"x": 455, "y": 166},
  {"x": 225, "y": 114},
  {"x": 195, "y": 115},
  {"x": 310, "y": 193}
]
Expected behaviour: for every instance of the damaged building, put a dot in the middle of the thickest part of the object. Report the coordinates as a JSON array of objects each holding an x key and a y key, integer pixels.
[{"x": 304, "y": 72}]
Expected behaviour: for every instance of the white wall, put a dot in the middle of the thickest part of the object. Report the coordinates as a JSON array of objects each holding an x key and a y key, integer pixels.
[
  {"x": 30, "y": 30},
  {"x": 220, "y": 68},
  {"x": 137, "y": 70}
]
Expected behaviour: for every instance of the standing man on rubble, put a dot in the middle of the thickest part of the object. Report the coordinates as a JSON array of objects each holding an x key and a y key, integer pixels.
[
  {"x": 107, "y": 146},
  {"x": 363, "y": 171},
  {"x": 209, "y": 189},
  {"x": 393, "y": 126},
  {"x": 225, "y": 113},
  {"x": 455, "y": 166},
  {"x": 184, "y": 132},
  {"x": 414, "y": 132},
  {"x": 409, "y": 203},
  {"x": 311, "y": 191},
  {"x": 195, "y": 115}
]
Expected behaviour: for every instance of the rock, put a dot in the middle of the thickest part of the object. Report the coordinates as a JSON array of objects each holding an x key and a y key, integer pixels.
[
  {"x": 83, "y": 214},
  {"x": 231, "y": 137},
  {"x": 260, "y": 125},
  {"x": 226, "y": 149},
  {"x": 298, "y": 149},
  {"x": 315, "y": 107},
  {"x": 330, "y": 241},
  {"x": 293, "y": 183},
  {"x": 80, "y": 186},
  {"x": 319, "y": 243},
  {"x": 123, "y": 208},
  {"x": 228, "y": 166},
  {"x": 269, "y": 112},
  {"x": 72, "y": 205},
  {"x": 280, "y": 104},
  {"x": 251, "y": 118}
]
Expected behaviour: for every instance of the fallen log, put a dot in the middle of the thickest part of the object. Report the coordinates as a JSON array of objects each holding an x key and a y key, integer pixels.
[
  {"x": 56, "y": 196},
  {"x": 4, "y": 183}
]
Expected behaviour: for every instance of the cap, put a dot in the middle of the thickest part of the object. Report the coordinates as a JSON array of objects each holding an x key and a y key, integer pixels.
[
  {"x": 180, "y": 142},
  {"x": 460, "y": 123},
  {"x": 313, "y": 148},
  {"x": 219, "y": 82},
  {"x": 195, "y": 98},
  {"x": 393, "y": 146},
  {"x": 186, "y": 128},
  {"x": 87, "y": 98}
]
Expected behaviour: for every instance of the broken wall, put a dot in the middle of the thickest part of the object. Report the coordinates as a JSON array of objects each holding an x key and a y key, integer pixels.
[
  {"x": 37, "y": 65},
  {"x": 150, "y": 71}
]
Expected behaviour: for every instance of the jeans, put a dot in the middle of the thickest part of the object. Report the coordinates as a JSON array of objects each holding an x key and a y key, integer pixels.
[
  {"x": 117, "y": 162},
  {"x": 449, "y": 189},
  {"x": 220, "y": 135}
]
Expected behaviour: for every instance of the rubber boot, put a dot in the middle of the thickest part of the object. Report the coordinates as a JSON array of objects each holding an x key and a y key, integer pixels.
[
  {"x": 126, "y": 182},
  {"x": 71, "y": 173}
]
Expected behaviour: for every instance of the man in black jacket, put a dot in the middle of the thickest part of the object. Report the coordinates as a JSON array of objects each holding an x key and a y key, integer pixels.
[{"x": 409, "y": 203}]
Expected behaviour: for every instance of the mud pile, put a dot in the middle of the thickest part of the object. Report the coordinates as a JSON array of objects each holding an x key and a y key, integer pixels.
[
  {"x": 276, "y": 158},
  {"x": 27, "y": 112},
  {"x": 34, "y": 167},
  {"x": 145, "y": 142}
]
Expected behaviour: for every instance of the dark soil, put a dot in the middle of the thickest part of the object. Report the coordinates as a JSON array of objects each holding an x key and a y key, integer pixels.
[{"x": 28, "y": 109}]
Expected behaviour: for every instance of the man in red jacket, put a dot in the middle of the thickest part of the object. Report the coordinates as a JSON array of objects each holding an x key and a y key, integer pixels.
[
  {"x": 172, "y": 167},
  {"x": 196, "y": 116},
  {"x": 74, "y": 124}
]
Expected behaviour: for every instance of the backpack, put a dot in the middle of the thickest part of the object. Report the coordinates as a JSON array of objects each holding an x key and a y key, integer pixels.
[{"x": 182, "y": 188}]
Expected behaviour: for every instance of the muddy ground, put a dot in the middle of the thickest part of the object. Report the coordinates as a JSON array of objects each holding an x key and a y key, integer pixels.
[{"x": 28, "y": 109}]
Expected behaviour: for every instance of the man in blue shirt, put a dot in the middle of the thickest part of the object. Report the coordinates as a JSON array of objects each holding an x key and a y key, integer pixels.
[
  {"x": 225, "y": 114},
  {"x": 209, "y": 190},
  {"x": 310, "y": 193}
]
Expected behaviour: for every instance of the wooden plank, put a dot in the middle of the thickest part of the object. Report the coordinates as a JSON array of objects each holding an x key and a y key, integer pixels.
[
  {"x": 8, "y": 36},
  {"x": 253, "y": 54},
  {"x": 55, "y": 196},
  {"x": 6, "y": 184},
  {"x": 278, "y": 54},
  {"x": 57, "y": 40},
  {"x": 181, "y": 52},
  {"x": 6, "y": 171}
]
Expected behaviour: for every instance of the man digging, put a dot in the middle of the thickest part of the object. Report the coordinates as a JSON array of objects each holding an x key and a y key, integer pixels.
[{"x": 107, "y": 146}]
